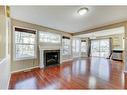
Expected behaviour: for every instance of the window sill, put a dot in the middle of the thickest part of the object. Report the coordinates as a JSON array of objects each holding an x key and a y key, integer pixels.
[{"x": 25, "y": 58}]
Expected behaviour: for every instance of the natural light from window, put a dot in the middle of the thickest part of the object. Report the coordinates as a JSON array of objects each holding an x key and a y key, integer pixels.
[
  {"x": 48, "y": 37},
  {"x": 24, "y": 45},
  {"x": 83, "y": 46},
  {"x": 66, "y": 46}
]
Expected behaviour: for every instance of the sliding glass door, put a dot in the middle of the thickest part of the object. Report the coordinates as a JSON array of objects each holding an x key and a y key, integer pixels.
[
  {"x": 105, "y": 48},
  {"x": 100, "y": 48}
]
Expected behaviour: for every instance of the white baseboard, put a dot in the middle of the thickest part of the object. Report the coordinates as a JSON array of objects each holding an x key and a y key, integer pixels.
[
  {"x": 24, "y": 69},
  {"x": 67, "y": 60}
]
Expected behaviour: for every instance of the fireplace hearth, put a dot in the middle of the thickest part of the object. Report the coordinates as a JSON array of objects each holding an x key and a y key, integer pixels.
[{"x": 51, "y": 57}]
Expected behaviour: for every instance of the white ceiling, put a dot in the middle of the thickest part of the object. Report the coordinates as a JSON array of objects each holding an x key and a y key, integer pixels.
[
  {"x": 65, "y": 18},
  {"x": 119, "y": 30}
]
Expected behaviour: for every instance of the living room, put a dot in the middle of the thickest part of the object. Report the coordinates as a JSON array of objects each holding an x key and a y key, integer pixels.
[{"x": 63, "y": 47}]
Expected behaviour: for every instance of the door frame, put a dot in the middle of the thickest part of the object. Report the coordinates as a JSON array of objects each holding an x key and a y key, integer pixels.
[{"x": 110, "y": 46}]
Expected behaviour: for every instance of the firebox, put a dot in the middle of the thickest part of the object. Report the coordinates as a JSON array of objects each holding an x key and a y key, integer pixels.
[{"x": 51, "y": 57}]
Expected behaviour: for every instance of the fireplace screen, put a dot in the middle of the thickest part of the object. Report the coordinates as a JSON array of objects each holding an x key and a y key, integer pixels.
[{"x": 51, "y": 57}]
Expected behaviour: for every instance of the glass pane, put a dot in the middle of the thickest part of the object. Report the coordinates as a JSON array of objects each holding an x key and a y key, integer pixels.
[
  {"x": 83, "y": 47},
  {"x": 66, "y": 45},
  {"x": 22, "y": 37},
  {"x": 24, "y": 51},
  {"x": 73, "y": 45},
  {"x": 95, "y": 48},
  {"x": 49, "y": 37},
  {"x": 100, "y": 48},
  {"x": 77, "y": 46},
  {"x": 104, "y": 48}
]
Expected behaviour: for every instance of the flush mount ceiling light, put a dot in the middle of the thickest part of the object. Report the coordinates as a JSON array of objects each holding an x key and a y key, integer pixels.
[{"x": 82, "y": 11}]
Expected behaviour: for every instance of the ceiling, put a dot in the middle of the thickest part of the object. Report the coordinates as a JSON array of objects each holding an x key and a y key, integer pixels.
[
  {"x": 67, "y": 19},
  {"x": 114, "y": 31}
]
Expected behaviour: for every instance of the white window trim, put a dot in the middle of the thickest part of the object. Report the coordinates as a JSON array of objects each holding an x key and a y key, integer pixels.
[
  {"x": 14, "y": 48},
  {"x": 69, "y": 53},
  {"x": 75, "y": 53},
  {"x": 81, "y": 48}
]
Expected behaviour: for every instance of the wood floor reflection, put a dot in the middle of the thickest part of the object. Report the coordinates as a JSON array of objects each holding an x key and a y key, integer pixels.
[{"x": 83, "y": 73}]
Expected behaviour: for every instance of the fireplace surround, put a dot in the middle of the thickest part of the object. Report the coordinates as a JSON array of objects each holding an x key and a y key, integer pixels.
[{"x": 51, "y": 57}]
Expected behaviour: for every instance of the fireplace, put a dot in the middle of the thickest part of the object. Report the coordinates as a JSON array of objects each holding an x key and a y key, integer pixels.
[{"x": 51, "y": 57}]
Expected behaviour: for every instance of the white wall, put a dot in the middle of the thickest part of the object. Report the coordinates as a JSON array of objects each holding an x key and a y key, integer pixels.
[
  {"x": 4, "y": 73},
  {"x": 4, "y": 48},
  {"x": 2, "y": 33},
  {"x": 30, "y": 63},
  {"x": 125, "y": 52}
]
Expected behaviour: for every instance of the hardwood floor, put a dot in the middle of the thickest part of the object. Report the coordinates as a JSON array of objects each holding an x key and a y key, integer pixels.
[{"x": 84, "y": 73}]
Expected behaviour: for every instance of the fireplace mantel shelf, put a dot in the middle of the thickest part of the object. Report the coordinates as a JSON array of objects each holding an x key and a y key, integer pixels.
[{"x": 49, "y": 49}]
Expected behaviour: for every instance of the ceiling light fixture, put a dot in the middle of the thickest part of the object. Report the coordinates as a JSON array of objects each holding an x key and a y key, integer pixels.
[{"x": 82, "y": 11}]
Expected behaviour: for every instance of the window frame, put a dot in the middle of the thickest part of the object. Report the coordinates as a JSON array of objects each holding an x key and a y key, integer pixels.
[
  {"x": 14, "y": 45},
  {"x": 49, "y": 33},
  {"x": 69, "y": 49},
  {"x": 99, "y": 47},
  {"x": 85, "y": 45},
  {"x": 76, "y": 54}
]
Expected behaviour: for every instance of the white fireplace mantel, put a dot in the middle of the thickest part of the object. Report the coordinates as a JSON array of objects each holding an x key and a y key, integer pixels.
[{"x": 42, "y": 55}]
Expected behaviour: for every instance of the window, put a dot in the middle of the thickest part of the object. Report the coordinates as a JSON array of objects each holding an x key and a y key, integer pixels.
[
  {"x": 76, "y": 47},
  {"x": 24, "y": 43},
  {"x": 83, "y": 46},
  {"x": 95, "y": 48},
  {"x": 100, "y": 48},
  {"x": 73, "y": 45},
  {"x": 66, "y": 45},
  {"x": 49, "y": 37}
]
